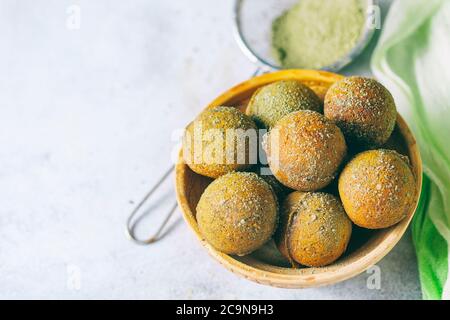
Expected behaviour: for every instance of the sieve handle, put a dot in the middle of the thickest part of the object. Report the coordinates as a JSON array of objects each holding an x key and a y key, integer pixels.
[{"x": 131, "y": 223}]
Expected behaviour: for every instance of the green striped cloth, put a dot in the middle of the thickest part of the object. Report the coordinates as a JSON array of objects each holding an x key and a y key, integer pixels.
[{"x": 413, "y": 60}]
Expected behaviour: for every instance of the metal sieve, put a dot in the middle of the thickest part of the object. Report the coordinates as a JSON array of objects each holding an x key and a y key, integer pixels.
[{"x": 253, "y": 31}]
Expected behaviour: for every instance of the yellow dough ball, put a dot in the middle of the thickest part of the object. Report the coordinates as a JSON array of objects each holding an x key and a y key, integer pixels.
[
  {"x": 314, "y": 230},
  {"x": 377, "y": 188},
  {"x": 364, "y": 110},
  {"x": 305, "y": 150},
  {"x": 215, "y": 143},
  {"x": 237, "y": 213},
  {"x": 276, "y": 100}
]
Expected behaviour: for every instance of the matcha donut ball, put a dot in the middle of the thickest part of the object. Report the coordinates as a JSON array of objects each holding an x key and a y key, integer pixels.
[
  {"x": 363, "y": 109},
  {"x": 314, "y": 230},
  {"x": 237, "y": 213},
  {"x": 305, "y": 150},
  {"x": 208, "y": 149},
  {"x": 274, "y": 101},
  {"x": 377, "y": 188}
]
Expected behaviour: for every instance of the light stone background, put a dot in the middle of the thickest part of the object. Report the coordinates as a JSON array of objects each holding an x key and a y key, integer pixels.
[{"x": 86, "y": 118}]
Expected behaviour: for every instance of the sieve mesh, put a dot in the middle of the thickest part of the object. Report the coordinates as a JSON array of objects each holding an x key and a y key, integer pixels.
[{"x": 253, "y": 28}]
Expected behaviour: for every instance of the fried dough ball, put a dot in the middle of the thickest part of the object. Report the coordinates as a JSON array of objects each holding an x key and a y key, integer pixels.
[
  {"x": 314, "y": 230},
  {"x": 274, "y": 101},
  {"x": 364, "y": 110},
  {"x": 238, "y": 213},
  {"x": 208, "y": 151},
  {"x": 305, "y": 150},
  {"x": 377, "y": 188}
]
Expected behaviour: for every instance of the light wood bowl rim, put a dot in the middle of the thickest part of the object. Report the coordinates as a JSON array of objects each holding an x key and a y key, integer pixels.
[{"x": 263, "y": 273}]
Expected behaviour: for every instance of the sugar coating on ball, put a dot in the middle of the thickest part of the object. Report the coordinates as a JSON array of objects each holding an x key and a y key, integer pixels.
[
  {"x": 364, "y": 110},
  {"x": 274, "y": 101},
  {"x": 305, "y": 150},
  {"x": 314, "y": 230},
  {"x": 209, "y": 147},
  {"x": 237, "y": 213},
  {"x": 377, "y": 188}
]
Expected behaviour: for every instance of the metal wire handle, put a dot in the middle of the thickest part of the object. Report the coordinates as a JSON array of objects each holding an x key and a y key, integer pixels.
[{"x": 130, "y": 225}]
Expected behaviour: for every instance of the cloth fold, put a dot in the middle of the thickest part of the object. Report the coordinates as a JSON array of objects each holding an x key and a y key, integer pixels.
[{"x": 411, "y": 59}]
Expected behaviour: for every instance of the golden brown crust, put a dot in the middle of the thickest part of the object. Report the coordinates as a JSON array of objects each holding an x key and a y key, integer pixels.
[
  {"x": 377, "y": 188},
  {"x": 274, "y": 101},
  {"x": 305, "y": 150},
  {"x": 314, "y": 229},
  {"x": 217, "y": 120},
  {"x": 363, "y": 109},
  {"x": 237, "y": 213}
]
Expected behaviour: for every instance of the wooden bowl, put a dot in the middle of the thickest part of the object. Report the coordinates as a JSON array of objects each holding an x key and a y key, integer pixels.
[{"x": 267, "y": 266}]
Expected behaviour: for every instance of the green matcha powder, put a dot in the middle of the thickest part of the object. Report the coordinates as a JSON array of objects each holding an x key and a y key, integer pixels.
[{"x": 317, "y": 33}]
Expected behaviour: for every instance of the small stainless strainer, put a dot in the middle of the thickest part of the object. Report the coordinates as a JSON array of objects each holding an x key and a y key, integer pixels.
[{"x": 253, "y": 29}]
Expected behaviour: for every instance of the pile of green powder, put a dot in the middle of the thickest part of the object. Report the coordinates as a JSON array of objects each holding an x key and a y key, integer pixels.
[{"x": 317, "y": 33}]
